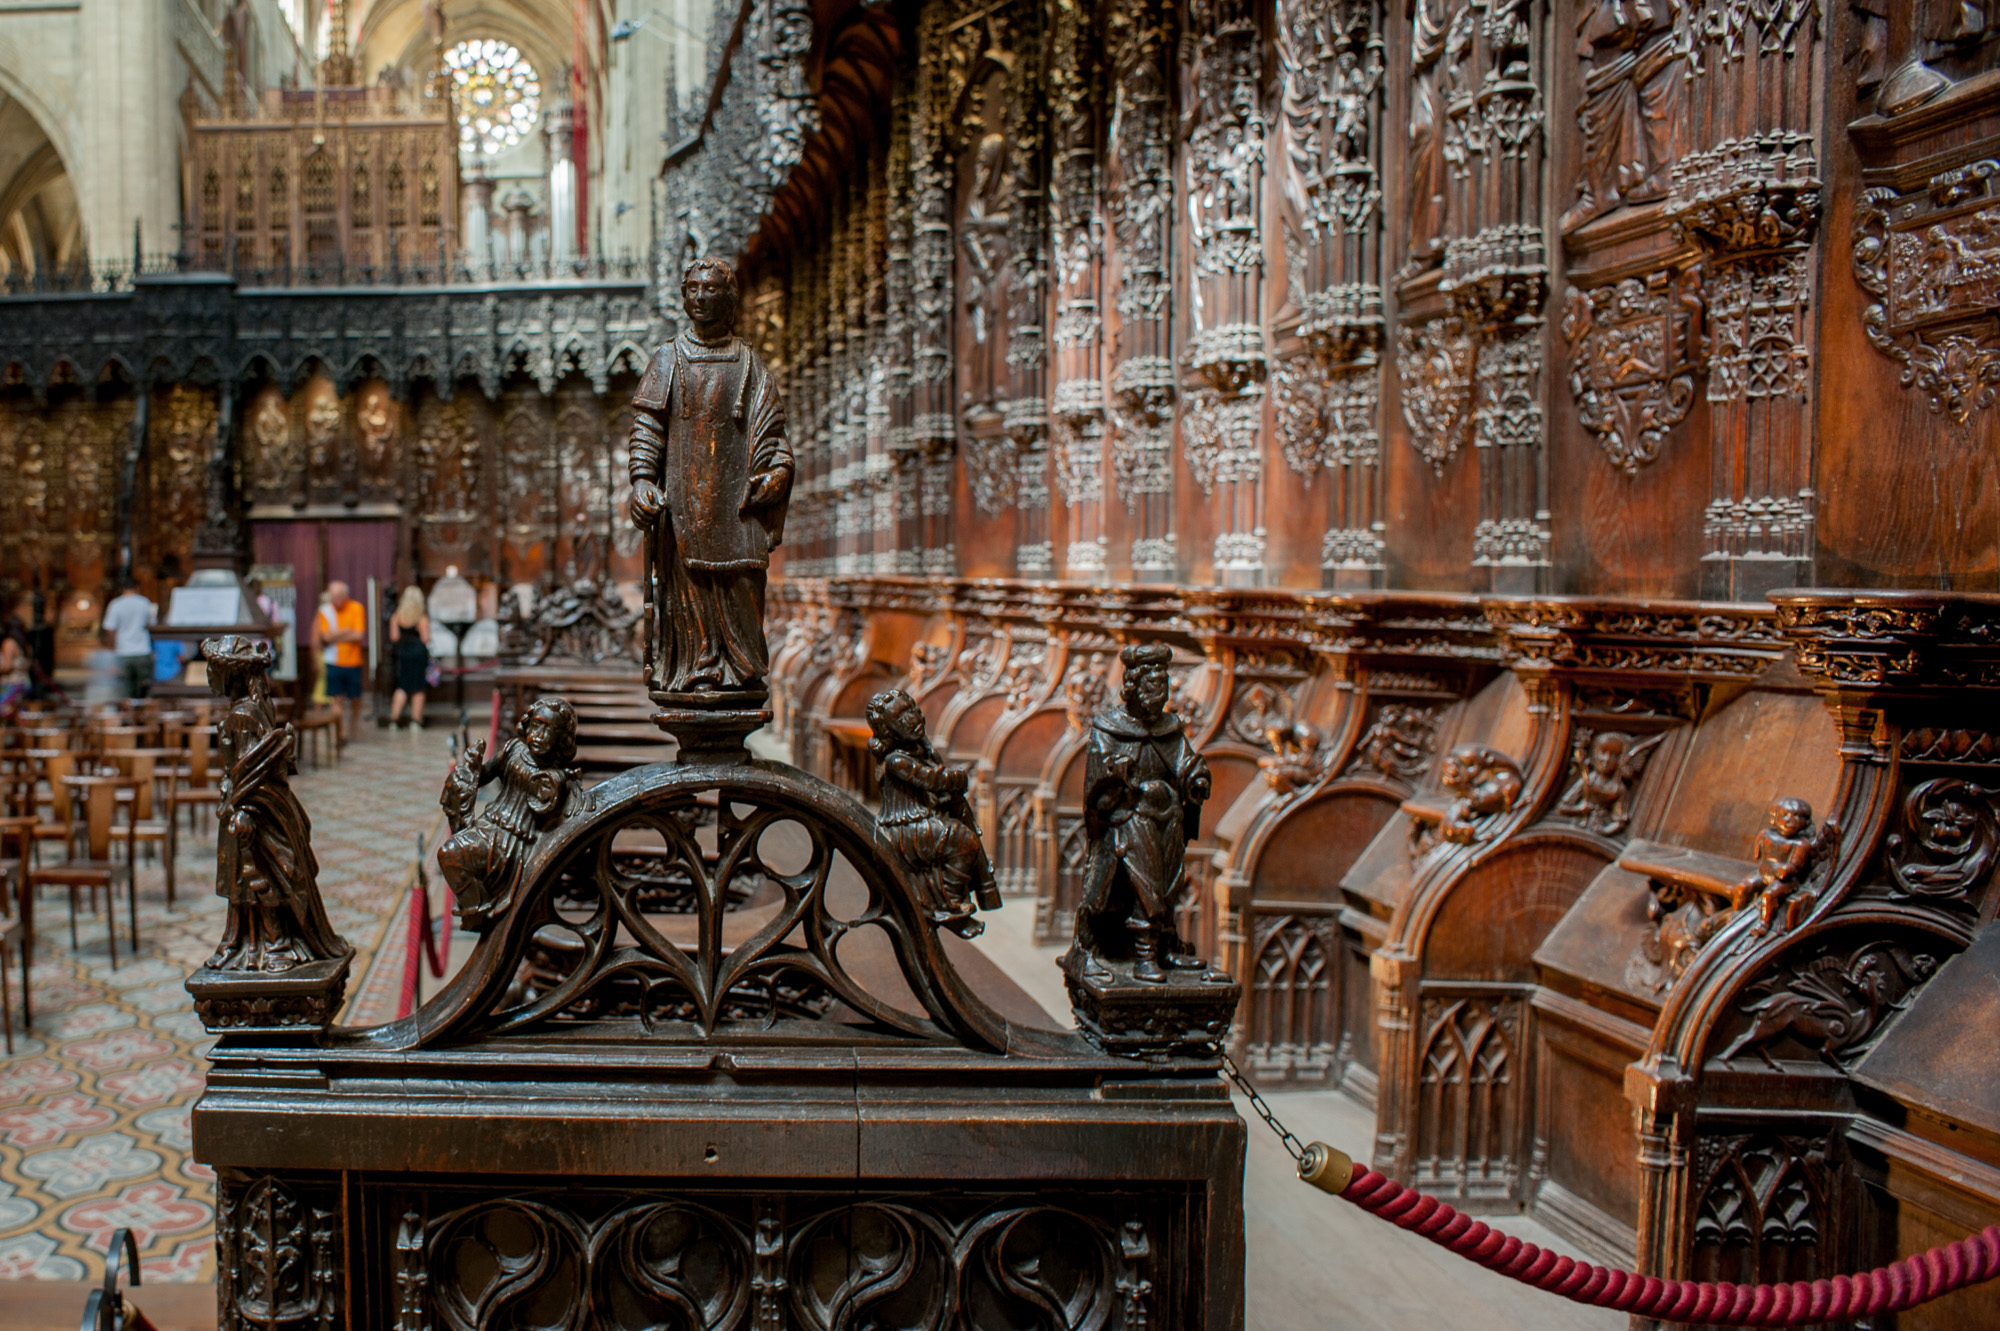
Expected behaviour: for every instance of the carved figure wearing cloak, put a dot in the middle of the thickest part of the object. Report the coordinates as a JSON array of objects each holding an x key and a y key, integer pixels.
[
  {"x": 265, "y": 867},
  {"x": 1144, "y": 786}
]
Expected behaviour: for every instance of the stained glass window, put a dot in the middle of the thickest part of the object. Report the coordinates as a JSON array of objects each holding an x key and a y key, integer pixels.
[{"x": 499, "y": 95}]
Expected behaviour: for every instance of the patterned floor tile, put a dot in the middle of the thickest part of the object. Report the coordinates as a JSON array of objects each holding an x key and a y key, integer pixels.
[
  {"x": 72, "y": 1171},
  {"x": 94, "y": 1105}
]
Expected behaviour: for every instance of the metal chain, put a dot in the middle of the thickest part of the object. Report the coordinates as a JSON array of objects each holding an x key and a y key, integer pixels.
[{"x": 1290, "y": 1142}]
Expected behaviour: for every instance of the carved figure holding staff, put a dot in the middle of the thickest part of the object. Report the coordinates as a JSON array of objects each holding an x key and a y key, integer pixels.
[{"x": 711, "y": 477}]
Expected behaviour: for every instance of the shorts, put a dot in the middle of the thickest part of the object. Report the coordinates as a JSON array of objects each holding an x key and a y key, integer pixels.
[{"x": 343, "y": 681}]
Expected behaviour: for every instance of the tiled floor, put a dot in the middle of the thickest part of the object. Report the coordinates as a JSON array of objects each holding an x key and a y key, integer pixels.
[{"x": 94, "y": 1105}]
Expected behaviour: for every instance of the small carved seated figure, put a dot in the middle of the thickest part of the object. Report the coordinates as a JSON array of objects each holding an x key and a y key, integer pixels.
[
  {"x": 483, "y": 857},
  {"x": 1787, "y": 854},
  {"x": 1484, "y": 782},
  {"x": 1295, "y": 760},
  {"x": 926, "y": 818}
]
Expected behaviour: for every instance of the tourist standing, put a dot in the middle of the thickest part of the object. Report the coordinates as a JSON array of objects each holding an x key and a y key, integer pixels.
[
  {"x": 410, "y": 634},
  {"x": 127, "y": 629},
  {"x": 339, "y": 630}
]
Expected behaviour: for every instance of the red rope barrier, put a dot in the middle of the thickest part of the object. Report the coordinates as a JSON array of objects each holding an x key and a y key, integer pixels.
[{"x": 1887, "y": 1289}]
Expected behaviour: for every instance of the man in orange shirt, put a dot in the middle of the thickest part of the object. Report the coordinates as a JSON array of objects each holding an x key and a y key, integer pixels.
[{"x": 338, "y": 631}]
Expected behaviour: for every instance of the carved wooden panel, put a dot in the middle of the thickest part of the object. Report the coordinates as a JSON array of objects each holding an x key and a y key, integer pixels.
[
  {"x": 1288, "y": 1014},
  {"x": 180, "y": 441},
  {"x": 1467, "y": 1142}
]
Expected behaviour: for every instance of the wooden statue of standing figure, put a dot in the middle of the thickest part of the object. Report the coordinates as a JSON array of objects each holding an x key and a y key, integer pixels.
[
  {"x": 483, "y": 856},
  {"x": 265, "y": 867},
  {"x": 926, "y": 818},
  {"x": 280, "y": 962},
  {"x": 1143, "y": 788},
  {"x": 1136, "y": 987},
  {"x": 711, "y": 476}
]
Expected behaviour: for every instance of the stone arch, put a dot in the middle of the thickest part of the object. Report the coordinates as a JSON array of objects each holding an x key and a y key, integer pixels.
[{"x": 41, "y": 218}]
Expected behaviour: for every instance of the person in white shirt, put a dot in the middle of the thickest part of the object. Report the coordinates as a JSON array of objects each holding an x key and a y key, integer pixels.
[{"x": 127, "y": 626}]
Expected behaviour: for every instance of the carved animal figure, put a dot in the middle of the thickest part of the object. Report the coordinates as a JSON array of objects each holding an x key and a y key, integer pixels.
[
  {"x": 1294, "y": 759},
  {"x": 1833, "y": 1003},
  {"x": 1486, "y": 783}
]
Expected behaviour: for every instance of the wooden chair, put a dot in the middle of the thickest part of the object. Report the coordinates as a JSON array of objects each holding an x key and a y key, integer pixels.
[
  {"x": 17, "y": 930},
  {"x": 196, "y": 786},
  {"x": 149, "y": 770},
  {"x": 11, "y": 939},
  {"x": 320, "y": 721},
  {"x": 55, "y": 767},
  {"x": 90, "y": 864}
]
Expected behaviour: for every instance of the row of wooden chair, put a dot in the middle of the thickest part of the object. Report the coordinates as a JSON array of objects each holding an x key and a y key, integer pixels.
[{"x": 86, "y": 782}]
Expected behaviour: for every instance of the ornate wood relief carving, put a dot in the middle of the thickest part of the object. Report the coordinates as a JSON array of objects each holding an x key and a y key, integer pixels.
[
  {"x": 1469, "y": 1094},
  {"x": 1434, "y": 364},
  {"x": 1328, "y": 399},
  {"x": 1750, "y": 203},
  {"x": 1932, "y": 260},
  {"x": 1763, "y": 1209},
  {"x": 1398, "y": 743},
  {"x": 278, "y": 1256},
  {"x": 182, "y": 437},
  {"x": 1077, "y": 410},
  {"x": 1603, "y": 769},
  {"x": 1288, "y": 1021},
  {"x": 1474, "y": 164},
  {"x": 621, "y": 1261},
  {"x": 1225, "y": 354},
  {"x": 1635, "y": 346},
  {"x": 1945, "y": 851},
  {"x": 1632, "y": 115},
  {"x": 1833, "y": 1004},
  {"x": 1139, "y": 203}
]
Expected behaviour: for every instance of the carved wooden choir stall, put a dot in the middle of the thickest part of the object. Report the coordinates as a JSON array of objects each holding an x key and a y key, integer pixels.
[
  {"x": 719, "y": 1056},
  {"x": 1551, "y": 443}
]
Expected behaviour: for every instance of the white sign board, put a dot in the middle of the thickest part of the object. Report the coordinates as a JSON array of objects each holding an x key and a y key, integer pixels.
[{"x": 202, "y": 607}]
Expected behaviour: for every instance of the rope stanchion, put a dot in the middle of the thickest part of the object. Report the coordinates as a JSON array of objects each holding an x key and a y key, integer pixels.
[{"x": 1887, "y": 1289}]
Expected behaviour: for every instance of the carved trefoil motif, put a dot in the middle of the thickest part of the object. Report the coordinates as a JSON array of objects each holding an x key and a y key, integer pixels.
[
  {"x": 1931, "y": 258},
  {"x": 1634, "y": 351}
]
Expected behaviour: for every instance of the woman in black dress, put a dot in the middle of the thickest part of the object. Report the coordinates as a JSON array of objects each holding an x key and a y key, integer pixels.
[{"x": 409, "y": 639}]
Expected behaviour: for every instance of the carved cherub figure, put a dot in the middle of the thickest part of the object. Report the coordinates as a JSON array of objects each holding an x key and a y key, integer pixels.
[
  {"x": 926, "y": 818},
  {"x": 1485, "y": 783},
  {"x": 1787, "y": 851},
  {"x": 483, "y": 857},
  {"x": 265, "y": 868},
  {"x": 1611, "y": 766}
]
